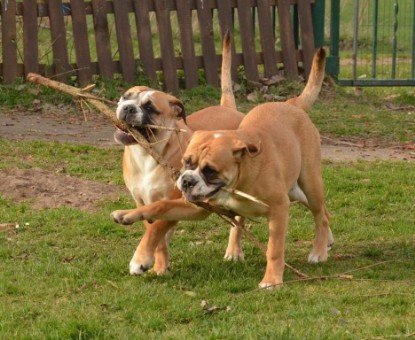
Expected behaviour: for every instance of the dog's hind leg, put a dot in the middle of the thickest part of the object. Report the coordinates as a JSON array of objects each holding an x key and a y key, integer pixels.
[
  {"x": 234, "y": 250},
  {"x": 312, "y": 185},
  {"x": 161, "y": 255},
  {"x": 153, "y": 245}
]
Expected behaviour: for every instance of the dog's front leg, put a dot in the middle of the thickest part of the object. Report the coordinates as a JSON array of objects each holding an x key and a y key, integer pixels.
[
  {"x": 278, "y": 222},
  {"x": 168, "y": 210}
]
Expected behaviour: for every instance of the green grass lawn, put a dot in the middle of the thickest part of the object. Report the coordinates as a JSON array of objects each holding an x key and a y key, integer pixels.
[{"x": 64, "y": 271}]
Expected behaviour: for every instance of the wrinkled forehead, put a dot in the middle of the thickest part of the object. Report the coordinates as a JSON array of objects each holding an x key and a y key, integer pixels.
[
  {"x": 198, "y": 142},
  {"x": 207, "y": 146},
  {"x": 139, "y": 94}
]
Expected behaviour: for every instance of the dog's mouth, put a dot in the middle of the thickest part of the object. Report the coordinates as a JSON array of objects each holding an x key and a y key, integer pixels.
[
  {"x": 125, "y": 138},
  {"x": 201, "y": 197}
]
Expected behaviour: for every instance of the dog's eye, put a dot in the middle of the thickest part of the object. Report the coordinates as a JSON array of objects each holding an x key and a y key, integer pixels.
[
  {"x": 125, "y": 96},
  {"x": 149, "y": 107},
  {"x": 209, "y": 172},
  {"x": 187, "y": 163}
]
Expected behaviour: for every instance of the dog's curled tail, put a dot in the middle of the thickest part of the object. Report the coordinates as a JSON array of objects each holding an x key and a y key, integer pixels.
[
  {"x": 227, "y": 99},
  {"x": 315, "y": 80}
]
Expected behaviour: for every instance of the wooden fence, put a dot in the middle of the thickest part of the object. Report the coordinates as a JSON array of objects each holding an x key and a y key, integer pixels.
[{"x": 175, "y": 42}]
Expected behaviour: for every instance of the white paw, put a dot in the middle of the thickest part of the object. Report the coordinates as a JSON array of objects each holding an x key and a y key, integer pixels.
[
  {"x": 118, "y": 216},
  {"x": 316, "y": 258},
  {"x": 137, "y": 268},
  {"x": 266, "y": 285},
  {"x": 234, "y": 256},
  {"x": 313, "y": 258}
]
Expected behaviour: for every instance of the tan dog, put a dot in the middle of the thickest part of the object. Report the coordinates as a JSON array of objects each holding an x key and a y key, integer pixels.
[
  {"x": 146, "y": 180},
  {"x": 273, "y": 156}
]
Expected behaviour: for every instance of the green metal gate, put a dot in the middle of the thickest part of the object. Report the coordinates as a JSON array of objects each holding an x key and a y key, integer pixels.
[{"x": 372, "y": 42}]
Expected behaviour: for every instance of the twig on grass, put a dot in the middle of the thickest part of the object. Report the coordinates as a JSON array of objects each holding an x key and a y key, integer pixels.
[
  {"x": 396, "y": 336},
  {"x": 384, "y": 294},
  {"x": 342, "y": 276},
  {"x": 368, "y": 266},
  {"x": 7, "y": 226}
]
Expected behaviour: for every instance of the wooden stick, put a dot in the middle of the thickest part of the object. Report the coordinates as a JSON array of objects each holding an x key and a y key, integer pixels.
[
  {"x": 98, "y": 104},
  {"x": 245, "y": 195},
  {"x": 158, "y": 127}
]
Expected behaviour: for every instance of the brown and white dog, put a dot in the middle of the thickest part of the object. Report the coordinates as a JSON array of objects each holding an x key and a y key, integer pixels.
[
  {"x": 149, "y": 182},
  {"x": 273, "y": 156}
]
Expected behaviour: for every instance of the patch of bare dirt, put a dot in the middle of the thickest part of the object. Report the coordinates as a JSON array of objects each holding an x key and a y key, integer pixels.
[
  {"x": 355, "y": 149},
  {"x": 61, "y": 125},
  {"x": 43, "y": 189}
]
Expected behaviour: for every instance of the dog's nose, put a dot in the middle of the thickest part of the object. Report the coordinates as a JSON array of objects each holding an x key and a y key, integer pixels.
[
  {"x": 129, "y": 109},
  {"x": 188, "y": 182}
]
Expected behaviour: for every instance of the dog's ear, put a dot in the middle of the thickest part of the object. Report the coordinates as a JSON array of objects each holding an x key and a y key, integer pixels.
[
  {"x": 241, "y": 148},
  {"x": 178, "y": 108}
]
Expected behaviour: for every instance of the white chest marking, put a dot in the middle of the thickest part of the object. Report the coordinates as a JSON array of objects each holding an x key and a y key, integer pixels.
[{"x": 147, "y": 180}]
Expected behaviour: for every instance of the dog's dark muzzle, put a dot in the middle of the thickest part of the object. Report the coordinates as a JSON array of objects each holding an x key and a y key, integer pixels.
[{"x": 188, "y": 182}]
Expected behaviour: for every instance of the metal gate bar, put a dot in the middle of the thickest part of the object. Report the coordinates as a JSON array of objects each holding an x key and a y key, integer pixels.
[
  {"x": 383, "y": 43},
  {"x": 375, "y": 37},
  {"x": 413, "y": 45}
]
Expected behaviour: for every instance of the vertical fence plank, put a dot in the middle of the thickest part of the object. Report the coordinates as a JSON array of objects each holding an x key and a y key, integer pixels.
[
  {"x": 30, "y": 38},
  {"x": 267, "y": 39},
  {"x": 59, "y": 45},
  {"x": 145, "y": 43},
  {"x": 80, "y": 36},
  {"x": 225, "y": 13},
  {"x": 125, "y": 45},
  {"x": 8, "y": 35},
  {"x": 248, "y": 41},
  {"x": 287, "y": 39},
  {"x": 204, "y": 13},
  {"x": 102, "y": 39},
  {"x": 184, "y": 16},
  {"x": 168, "y": 63},
  {"x": 307, "y": 34},
  {"x": 166, "y": 45}
]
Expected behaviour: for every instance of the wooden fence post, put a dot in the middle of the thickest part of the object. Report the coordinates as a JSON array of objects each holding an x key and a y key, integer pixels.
[{"x": 8, "y": 34}]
